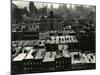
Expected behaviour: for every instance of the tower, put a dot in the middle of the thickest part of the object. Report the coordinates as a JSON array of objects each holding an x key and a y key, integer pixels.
[{"x": 51, "y": 17}]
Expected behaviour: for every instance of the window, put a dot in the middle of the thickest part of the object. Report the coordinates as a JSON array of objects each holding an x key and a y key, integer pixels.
[{"x": 25, "y": 69}]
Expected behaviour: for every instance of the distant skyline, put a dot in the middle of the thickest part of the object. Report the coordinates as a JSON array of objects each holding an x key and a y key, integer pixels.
[
  {"x": 22, "y": 4},
  {"x": 82, "y": 2}
]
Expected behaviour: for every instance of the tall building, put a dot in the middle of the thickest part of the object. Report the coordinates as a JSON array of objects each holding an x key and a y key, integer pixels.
[
  {"x": 16, "y": 14},
  {"x": 32, "y": 9},
  {"x": 51, "y": 23}
]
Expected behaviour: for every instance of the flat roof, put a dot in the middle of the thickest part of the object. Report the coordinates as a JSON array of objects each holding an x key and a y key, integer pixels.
[
  {"x": 49, "y": 57},
  {"x": 28, "y": 48},
  {"x": 40, "y": 54},
  {"x": 83, "y": 58},
  {"x": 66, "y": 54},
  {"x": 29, "y": 55},
  {"x": 20, "y": 57}
]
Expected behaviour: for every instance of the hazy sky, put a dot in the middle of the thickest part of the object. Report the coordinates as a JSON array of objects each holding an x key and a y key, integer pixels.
[{"x": 22, "y": 4}]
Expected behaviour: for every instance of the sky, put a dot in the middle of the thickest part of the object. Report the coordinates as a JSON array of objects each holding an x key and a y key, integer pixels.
[{"x": 22, "y": 4}]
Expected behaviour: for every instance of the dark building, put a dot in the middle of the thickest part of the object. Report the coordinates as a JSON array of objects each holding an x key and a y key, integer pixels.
[
  {"x": 16, "y": 14},
  {"x": 51, "y": 23},
  {"x": 32, "y": 9},
  {"x": 40, "y": 61}
]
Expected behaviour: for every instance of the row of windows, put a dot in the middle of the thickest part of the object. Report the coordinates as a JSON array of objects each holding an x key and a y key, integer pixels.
[
  {"x": 25, "y": 43},
  {"x": 61, "y": 62},
  {"x": 40, "y": 63},
  {"x": 46, "y": 68},
  {"x": 32, "y": 63},
  {"x": 31, "y": 68},
  {"x": 50, "y": 19},
  {"x": 86, "y": 66}
]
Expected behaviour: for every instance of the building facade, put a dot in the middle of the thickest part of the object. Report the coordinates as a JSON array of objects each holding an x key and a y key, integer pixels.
[{"x": 51, "y": 23}]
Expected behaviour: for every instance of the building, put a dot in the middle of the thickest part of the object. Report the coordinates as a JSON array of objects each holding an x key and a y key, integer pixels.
[
  {"x": 52, "y": 53},
  {"x": 40, "y": 60},
  {"x": 51, "y": 23}
]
